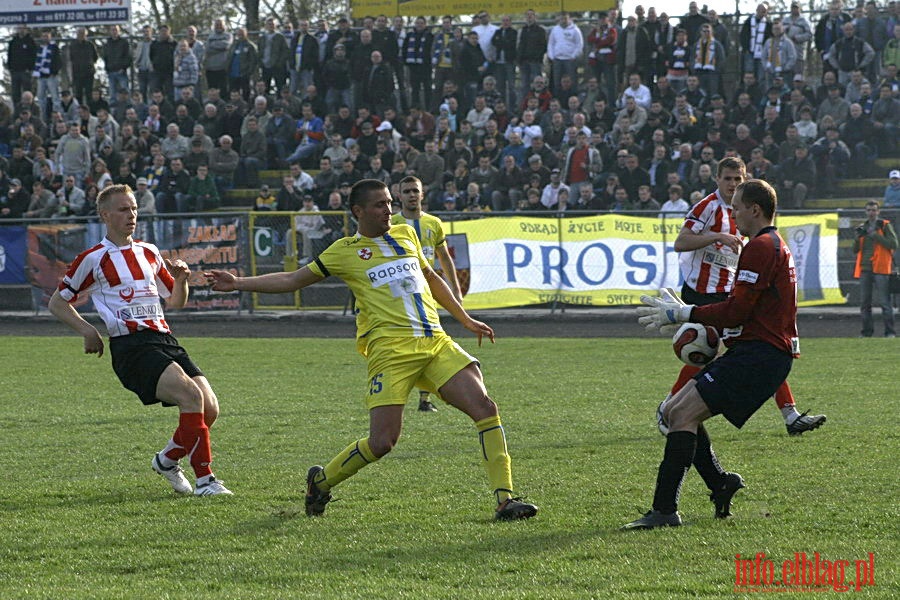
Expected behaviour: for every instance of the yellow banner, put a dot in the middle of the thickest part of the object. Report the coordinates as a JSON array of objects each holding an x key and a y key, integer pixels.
[
  {"x": 414, "y": 8},
  {"x": 610, "y": 260}
]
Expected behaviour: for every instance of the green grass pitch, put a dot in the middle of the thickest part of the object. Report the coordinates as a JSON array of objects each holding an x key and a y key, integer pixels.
[{"x": 83, "y": 516}]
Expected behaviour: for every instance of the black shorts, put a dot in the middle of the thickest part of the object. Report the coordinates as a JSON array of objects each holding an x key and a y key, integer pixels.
[
  {"x": 737, "y": 383},
  {"x": 692, "y": 296},
  {"x": 140, "y": 358}
]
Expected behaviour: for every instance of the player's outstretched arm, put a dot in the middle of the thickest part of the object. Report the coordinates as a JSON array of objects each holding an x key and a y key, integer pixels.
[
  {"x": 687, "y": 240},
  {"x": 65, "y": 312},
  {"x": 441, "y": 292},
  {"x": 273, "y": 283}
]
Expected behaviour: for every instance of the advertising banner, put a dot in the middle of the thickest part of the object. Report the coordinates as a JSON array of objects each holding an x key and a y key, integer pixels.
[
  {"x": 205, "y": 243},
  {"x": 611, "y": 260},
  {"x": 12, "y": 255},
  {"x": 51, "y": 13},
  {"x": 202, "y": 242}
]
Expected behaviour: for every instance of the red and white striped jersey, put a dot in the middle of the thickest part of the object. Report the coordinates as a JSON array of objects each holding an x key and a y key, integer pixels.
[
  {"x": 125, "y": 283},
  {"x": 711, "y": 269}
]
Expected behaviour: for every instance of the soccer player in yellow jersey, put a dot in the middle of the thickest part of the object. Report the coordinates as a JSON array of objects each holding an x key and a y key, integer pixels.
[
  {"x": 430, "y": 231},
  {"x": 399, "y": 333}
]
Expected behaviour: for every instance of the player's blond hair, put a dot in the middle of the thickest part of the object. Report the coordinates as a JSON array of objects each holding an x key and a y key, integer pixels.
[{"x": 107, "y": 194}]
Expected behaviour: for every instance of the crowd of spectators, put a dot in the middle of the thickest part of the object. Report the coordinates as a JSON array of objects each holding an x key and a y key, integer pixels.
[{"x": 605, "y": 113}]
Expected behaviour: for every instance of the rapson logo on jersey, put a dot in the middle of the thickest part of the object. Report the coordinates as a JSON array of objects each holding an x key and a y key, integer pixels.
[
  {"x": 127, "y": 294},
  {"x": 403, "y": 276},
  {"x": 393, "y": 271},
  {"x": 364, "y": 253}
]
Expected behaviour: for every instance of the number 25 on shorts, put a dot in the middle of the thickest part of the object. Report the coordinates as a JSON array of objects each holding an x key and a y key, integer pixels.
[{"x": 375, "y": 385}]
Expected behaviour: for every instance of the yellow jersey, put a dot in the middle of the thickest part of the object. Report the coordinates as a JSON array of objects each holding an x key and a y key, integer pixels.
[
  {"x": 386, "y": 274},
  {"x": 430, "y": 230}
]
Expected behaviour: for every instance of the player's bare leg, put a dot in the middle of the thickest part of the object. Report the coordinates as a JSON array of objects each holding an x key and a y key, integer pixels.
[
  {"x": 385, "y": 425},
  {"x": 466, "y": 391},
  {"x": 191, "y": 438}
]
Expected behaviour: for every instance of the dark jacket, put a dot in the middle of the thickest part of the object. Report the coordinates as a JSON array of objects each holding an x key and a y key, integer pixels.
[
  {"x": 746, "y": 33},
  {"x": 22, "y": 50},
  {"x": 379, "y": 84},
  {"x": 336, "y": 74},
  {"x": 504, "y": 41},
  {"x": 117, "y": 55},
  {"x": 798, "y": 171},
  {"x": 470, "y": 59},
  {"x": 172, "y": 183},
  {"x": 643, "y": 47},
  {"x": 360, "y": 61},
  {"x": 162, "y": 56},
  {"x": 385, "y": 41},
  {"x": 829, "y": 30},
  {"x": 83, "y": 56},
  {"x": 288, "y": 200},
  {"x": 532, "y": 43},
  {"x": 310, "y": 59},
  {"x": 249, "y": 58},
  {"x": 17, "y": 204}
]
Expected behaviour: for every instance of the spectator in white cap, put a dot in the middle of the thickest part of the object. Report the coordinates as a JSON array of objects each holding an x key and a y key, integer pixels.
[
  {"x": 386, "y": 132},
  {"x": 892, "y": 191}
]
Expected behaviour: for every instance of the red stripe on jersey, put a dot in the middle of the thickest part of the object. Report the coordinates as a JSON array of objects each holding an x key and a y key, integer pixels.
[
  {"x": 706, "y": 269},
  {"x": 166, "y": 329},
  {"x": 133, "y": 266},
  {"x": 151, "y": 324},
  {"x": 109, "y": 271},
  {"x": 132, "y": 326},
  {"x": 88, "y": 282},
  {"x": 162, "y": 273},
  {"x": 79, "y": 259}
]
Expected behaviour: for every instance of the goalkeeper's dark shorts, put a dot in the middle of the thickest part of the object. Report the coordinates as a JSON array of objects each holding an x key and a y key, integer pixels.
[{"x": 737, "y": 383}]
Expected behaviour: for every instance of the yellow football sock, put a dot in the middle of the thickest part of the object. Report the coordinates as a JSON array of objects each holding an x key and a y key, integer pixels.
[
  {"x": 351, "y": 459},
  {"x": 496, "y": 458}
]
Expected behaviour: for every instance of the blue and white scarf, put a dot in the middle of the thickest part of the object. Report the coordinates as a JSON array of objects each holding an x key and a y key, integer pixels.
[{"x": 43, "y": 61}]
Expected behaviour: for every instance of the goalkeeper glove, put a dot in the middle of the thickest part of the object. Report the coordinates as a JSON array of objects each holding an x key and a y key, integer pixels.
[{"x": 662, "y": 313}]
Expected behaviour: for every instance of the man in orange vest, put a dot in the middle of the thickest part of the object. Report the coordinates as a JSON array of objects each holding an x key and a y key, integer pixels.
[{"x": 874, "y": 246}]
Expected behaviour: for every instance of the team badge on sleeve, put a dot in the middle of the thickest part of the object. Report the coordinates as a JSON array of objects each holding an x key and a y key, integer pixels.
[{"x": 364, "y": 253}]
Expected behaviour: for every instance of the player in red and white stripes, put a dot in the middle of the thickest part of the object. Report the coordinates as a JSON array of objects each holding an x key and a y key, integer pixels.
[
  {"x": 126, "y": 280},
  {"x": 709, "y": 245}
]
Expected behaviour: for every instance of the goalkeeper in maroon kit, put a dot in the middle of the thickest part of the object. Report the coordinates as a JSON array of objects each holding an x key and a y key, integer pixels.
[{"x": 759, "y": 325}]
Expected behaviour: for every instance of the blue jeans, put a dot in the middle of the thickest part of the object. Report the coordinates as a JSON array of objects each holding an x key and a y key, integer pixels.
[
  {"x": 334, "y": 98},
  {"x": 118, "y": 80},
  {"x": 564, "y": 67},
  {"x": 48, "y": 85},
  {"x": 874, "y": 288},
  {"x": 144, "y": 84},
  {"x": 506, "y": 83},
  {"x": 303, "y": 151},
  {"x": 528, "y": 71}
]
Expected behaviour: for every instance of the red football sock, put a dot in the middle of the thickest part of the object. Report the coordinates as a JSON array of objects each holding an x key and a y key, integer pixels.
[
  {"x": 783, "y": 395},
  {"x": 687, "y": 373},
  {"x": 193, "y": 435}
]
